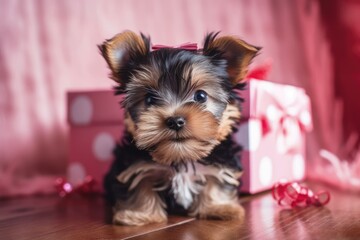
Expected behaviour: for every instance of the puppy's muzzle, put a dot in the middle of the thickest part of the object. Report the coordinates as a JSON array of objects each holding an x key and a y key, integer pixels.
[{"x": 175, "y": 123}]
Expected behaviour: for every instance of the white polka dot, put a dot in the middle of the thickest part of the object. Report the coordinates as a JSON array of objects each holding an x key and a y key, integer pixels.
[
  {"x": 81, "y": 110},
  {"x": 103, "y": 146},
  {"x": 298, "y": 167},
  {"x": 255, "y": 128},
  {"x": 305, "y": 117},
  {"x": 76, "y": 173},
  {"x": 272, "y": 113},
  {"x": 250, "y": 143},
  {"x": 265, "y": 171}
]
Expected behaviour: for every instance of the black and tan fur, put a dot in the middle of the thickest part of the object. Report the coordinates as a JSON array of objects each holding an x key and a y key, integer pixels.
[{"x": 191, "y": 168}]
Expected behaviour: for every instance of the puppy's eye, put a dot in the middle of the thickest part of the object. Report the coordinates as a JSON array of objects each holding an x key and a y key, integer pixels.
[
  {"x": 200, "y": 96},
  {"x": 150, "y": 99}
]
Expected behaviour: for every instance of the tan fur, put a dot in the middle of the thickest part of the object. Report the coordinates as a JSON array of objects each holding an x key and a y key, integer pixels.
[
  {"x": 229, "y": 118},
  {"x": 200, "y": 124},
  {"x": 238, "y": 54},
  {"x": 151, "y": 171},
  {"x": 144, "y": 205},
  {"x": 146, "y": 77},
  {"x": 126, "y": 41},
  {"x": 223, "y": 212},
  {"x": 217, "y": 202},
  {"x": 198, "y": 135},
  {"x": 151, "y": 128},
  {"x": 212, "y": 200},
  {"x": 129, "y": 124},
  {"x": 190, "y": 150}
]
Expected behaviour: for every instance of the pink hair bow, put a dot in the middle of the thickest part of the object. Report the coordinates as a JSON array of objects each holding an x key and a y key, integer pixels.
[{"x": 185, "y": 46}]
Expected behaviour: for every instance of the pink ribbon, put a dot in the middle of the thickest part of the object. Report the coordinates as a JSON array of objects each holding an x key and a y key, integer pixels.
[
  {"x": 185, "y": 46},
  {"x": 290, "y": 131},
  {"x": 65, "y": 188},
  {"x": 295, "y": 195}
]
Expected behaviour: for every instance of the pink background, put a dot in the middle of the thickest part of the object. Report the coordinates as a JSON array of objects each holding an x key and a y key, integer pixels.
[{"x": 49, "y": 47}]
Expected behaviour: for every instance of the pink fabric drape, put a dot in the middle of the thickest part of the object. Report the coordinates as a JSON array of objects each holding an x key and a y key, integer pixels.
[
  {"x": 49, "y": 47},
  {"x": 341, "y": 20}
]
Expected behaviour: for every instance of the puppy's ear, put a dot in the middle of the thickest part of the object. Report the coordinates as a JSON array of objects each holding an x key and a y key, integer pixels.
[
  {"x": 237, "y": 53},
  {"x": 122, "y": 51}
]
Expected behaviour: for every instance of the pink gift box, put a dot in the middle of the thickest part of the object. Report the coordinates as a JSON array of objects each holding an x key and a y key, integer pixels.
[
  {"x": 94, "y": 107},
  {"x": 275, "y": 120},
  {"x": 267, "y": 165},
  {"x": 96, "y": 125},
  {"x": 91, "y": 152}
]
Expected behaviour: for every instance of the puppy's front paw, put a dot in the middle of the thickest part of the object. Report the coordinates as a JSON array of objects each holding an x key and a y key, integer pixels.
[
  {"x": 138, "y": 218},
  {"x": 223, "y": 212}
]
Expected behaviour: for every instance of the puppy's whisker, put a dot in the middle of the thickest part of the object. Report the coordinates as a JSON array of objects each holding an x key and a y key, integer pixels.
[
  {"x": 185, "y": 165},
  {"x": 193, "y": 167}
]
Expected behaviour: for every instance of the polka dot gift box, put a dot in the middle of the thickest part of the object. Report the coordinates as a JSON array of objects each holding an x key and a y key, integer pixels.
[
  {"x": 275, "y": 119},
  {"x": 87, "y": 108},
  {"x": 96, "y": 125}
]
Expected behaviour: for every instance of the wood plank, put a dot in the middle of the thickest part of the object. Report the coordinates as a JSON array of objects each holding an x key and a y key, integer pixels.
[
  {"x": 80, "y": 218},
  {"x": 266, "y": 220},
  {"x": 90, "y": 218}
]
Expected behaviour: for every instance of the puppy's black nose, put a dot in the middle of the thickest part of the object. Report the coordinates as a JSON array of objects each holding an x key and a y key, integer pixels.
[{"x": 175, "y": 123}]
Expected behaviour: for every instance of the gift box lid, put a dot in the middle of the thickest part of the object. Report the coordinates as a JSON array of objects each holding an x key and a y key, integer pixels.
[
  {"x": 274, "y": 102},
  {"x": 93, "y": 107}
]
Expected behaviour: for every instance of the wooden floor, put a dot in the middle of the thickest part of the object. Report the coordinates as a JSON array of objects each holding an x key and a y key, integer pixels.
[{"x": 89, "y": 218}]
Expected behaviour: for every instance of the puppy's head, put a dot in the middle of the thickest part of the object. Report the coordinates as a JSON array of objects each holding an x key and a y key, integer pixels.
[{"x": 179, "y": 102}]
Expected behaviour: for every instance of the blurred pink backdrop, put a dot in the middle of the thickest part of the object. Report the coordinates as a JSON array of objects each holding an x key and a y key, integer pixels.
[{"x": 49, "y": 47}]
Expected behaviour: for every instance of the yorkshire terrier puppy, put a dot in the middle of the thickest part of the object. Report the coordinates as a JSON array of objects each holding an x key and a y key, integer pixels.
[{"x": 181, "y": 108}]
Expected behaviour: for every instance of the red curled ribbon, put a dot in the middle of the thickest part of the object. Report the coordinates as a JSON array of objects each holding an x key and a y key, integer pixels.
[
  {"x": 184, "y": 46},
  {"x": 65, "y": 188},
  {"x": 295, "y": 195}
]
